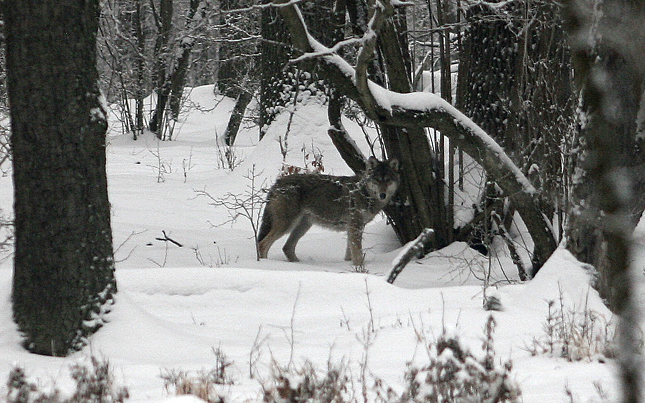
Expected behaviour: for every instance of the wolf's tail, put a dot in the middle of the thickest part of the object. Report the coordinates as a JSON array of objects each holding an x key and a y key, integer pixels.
[{"x": 265, "y": 226}]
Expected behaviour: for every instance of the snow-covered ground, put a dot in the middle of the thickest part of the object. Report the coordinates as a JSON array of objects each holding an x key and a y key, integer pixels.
[{"x": 176, "y": 305}]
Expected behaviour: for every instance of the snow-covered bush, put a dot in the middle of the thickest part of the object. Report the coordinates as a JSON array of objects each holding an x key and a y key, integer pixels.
[
  {"x": 307, "y": 385},
  {"x": 94, "y": 384},
  {"x": 455, "y": 375},
  {"x": 202, "y": 384},
  {"x": 575, "y": 334}
]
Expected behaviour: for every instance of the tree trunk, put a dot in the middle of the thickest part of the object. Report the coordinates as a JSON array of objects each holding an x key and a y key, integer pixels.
[
  {"x": 609, "y": 113},
  {"x": 177, "y": 82},
  {"x": 422, "y": 185},
  {"x": 164, "y": 26},
  {"x": 281, "y": 82},
  {"x": 419, "y": 201},
  {"x": 273, "y": 59},
  {"x": 140, "y": 91},
  {"x": 63, "y": 269},
  {"x": 178, "y": 74},
  {"x": 586, "y": 239},
  {"x": 346, "y": 146},
  {"x": 234, "y": 122},
  {"x": 514, "y": 81}
]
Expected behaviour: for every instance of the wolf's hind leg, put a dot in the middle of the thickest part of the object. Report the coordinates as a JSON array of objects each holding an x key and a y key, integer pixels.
[
  {"x": 265, "y": 244},
  {"x": 270, "y": 231},
  {"x": 297, "y": 232}
]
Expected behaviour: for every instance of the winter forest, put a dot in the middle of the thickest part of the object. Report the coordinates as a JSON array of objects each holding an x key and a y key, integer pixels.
[{"x": 501, "y": 260}]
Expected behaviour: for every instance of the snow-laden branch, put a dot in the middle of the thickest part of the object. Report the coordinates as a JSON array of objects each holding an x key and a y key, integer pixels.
[
  {"x": 422, "y": 110},
  {"x": 379, "y": 11},
  {"x": 327, "y": 51},
  {"x": 263, "y": 6}
]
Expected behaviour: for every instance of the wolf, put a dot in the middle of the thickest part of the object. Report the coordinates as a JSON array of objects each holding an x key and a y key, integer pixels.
[{"x": 341, "y": 203}]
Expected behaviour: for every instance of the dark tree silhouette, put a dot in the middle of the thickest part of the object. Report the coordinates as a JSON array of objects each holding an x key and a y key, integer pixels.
[{"x": 609, "y": 145}]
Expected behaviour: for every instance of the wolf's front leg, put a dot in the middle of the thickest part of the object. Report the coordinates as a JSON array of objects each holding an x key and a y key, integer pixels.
[{"x": 355, "y": 245}]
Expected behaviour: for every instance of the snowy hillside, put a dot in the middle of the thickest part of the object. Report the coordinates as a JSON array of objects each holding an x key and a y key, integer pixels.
[{"x": 179, "y": 308}]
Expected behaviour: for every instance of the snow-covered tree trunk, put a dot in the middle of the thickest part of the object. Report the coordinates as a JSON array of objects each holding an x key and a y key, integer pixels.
[
  {"x": 515, "y": 82},
  {"x": 63, "y": 266},
  {"x": 281, "y": 82}
]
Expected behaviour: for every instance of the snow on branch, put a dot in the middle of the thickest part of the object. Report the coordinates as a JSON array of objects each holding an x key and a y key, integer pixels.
[{"x": 261, "y": 6}]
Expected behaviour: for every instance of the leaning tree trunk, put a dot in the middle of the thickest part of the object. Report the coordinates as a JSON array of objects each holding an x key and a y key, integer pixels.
[
  {"x": 419, "y": 202},
  {"x": 423, "y": 185},
  {"x": 63, "y": 269}
]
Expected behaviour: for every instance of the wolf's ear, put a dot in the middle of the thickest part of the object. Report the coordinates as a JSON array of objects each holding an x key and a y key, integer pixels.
[
  {"x": 394, "y": 164},
  {"x": 372, "y": 162}
]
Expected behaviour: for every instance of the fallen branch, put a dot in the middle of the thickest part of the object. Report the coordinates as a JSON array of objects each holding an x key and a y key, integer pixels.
[{"x": 166, "y": 238}]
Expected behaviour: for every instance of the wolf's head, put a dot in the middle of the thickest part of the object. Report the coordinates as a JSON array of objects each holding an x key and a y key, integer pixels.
[{"x": 381, "y": 179}]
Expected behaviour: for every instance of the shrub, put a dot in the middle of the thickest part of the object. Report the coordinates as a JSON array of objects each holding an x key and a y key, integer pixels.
[
  {"x": 575, "y": 334},
  {"x": 93, "y": 385},
  {"x": 455, "y": 375},
  {"x": 96, "y": 384},
  {"x": 306, "y": 385},
  {"x": 202, "y": 384}
]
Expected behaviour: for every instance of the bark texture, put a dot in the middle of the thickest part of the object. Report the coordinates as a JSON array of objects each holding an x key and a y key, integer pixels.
[{"x": 64, "y": 271}]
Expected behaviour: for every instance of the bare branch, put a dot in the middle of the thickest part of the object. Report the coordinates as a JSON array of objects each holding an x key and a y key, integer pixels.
[{"x": 166, "y": 238}]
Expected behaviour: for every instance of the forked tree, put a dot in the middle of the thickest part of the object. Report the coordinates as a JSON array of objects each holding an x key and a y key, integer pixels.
[{"x": 63, "y": 279}]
